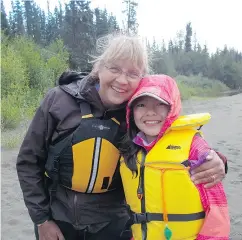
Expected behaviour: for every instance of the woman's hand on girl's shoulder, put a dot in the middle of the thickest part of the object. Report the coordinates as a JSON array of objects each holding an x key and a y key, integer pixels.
[{"x": 210, "y": 172}]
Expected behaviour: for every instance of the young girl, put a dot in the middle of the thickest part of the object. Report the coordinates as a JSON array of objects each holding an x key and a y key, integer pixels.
[{"x": 159, "y": 153}]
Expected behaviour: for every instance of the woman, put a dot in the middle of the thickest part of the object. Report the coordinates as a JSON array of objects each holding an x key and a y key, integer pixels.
[{"x": 68, "y": 162}]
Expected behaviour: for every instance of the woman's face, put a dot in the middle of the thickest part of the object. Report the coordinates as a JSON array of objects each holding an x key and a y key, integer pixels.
[{"x": 118, "y": 81}]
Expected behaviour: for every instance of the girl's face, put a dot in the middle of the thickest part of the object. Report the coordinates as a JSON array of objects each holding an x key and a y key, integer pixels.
[
  {"x": 118, "y": 81},
  {"x": 149, "y": 116}
]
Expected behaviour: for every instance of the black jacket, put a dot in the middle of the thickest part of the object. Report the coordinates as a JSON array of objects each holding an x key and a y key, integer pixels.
[{"x": 58, "y": 115}]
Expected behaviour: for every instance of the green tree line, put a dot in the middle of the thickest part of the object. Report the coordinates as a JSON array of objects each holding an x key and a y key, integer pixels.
[
  {"x": 185, "y": 56},
  {"x": 79, "y": 26}
]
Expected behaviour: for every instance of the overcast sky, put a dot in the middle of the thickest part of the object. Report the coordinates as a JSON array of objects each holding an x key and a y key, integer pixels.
[{"x": 216, "y": 22}]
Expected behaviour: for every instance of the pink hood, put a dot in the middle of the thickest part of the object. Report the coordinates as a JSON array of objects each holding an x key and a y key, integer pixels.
[{"x": 164, "y": 87}]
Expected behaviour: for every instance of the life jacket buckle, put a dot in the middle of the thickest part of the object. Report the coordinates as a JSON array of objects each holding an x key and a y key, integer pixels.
[
  {"x": 140, "y": 193},
  {"x": 140, "y": 218}
]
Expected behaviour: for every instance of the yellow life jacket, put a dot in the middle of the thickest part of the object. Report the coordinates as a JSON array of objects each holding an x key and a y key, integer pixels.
[
  {"x": 87, "y": 160},
  {"x": 162, "y": 198}
]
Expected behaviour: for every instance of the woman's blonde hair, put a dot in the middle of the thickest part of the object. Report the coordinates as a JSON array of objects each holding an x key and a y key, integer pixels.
[{"x": 120, "y": 47}]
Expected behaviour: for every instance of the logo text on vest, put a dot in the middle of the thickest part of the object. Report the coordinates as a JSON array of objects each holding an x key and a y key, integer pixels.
[{"x": 173, "y": 147}]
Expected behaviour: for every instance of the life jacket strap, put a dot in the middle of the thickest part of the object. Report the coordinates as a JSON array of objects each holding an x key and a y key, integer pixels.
[
  {"x": 55, "y": 179},
  {"x": 148, "y": 217},
  {"x": 86, "y": 110}
]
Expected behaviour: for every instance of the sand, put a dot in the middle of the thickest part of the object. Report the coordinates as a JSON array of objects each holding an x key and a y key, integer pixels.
[{"x": 224, "y": 133}]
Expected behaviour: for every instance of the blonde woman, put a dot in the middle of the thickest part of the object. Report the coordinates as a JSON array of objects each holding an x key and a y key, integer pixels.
[{"x": 68, "y": 164}]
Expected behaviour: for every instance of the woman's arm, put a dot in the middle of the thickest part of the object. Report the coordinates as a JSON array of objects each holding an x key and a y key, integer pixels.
[{"x": 31, "y": 164}]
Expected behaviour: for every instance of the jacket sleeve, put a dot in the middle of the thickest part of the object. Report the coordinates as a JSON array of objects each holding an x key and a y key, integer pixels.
[{"x": 31, "y": 164}]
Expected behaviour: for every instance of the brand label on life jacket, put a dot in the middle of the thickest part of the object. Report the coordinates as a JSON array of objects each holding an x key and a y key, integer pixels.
[{"x": 173, "y": 147}]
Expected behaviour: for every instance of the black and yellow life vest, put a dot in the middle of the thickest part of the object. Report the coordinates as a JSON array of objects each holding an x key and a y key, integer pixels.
[
  {"x": 164, "y": 202},
  {"x": 87, "y": 160}
]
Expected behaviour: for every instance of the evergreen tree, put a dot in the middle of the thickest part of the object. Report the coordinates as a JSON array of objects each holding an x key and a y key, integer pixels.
[
  {"x": 131, "y": 25},
  {"x": 43, "y": 28},
  {"x": 36, "y": 23},
  {"x": 4, "y": 20},
  {"x": 17, "y": 21},
  {"x": 79, "y": 34},
  {"x": 113, "y": 24},
  {"x": 101, "y": 22},
  {"x": 28, "y": 6},
  {"x": 170, "y": 47},
  {"x": 188, "y": 39}
]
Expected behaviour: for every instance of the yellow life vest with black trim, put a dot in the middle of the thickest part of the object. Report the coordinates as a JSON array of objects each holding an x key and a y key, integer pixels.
[
  {"x": 164, "y": 202},
  {"x": 87, "y": 160}
]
